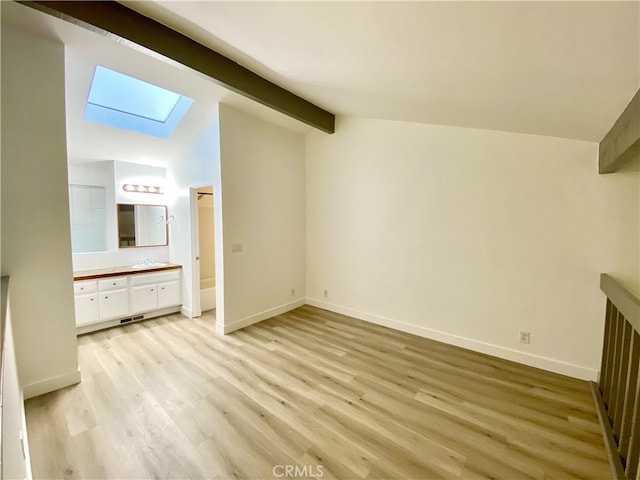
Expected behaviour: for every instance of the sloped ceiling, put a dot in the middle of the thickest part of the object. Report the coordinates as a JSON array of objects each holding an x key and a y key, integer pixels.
[
  {"x": 88, "y": 141},
  {"x": 564, "y": 69}
]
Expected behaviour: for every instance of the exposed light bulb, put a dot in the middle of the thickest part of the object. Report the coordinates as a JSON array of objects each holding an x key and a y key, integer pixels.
[{"x": 128, "y": 187}]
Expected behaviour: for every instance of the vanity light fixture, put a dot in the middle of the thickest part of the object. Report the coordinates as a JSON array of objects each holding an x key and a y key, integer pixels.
[{"x": 128, "y": 187}]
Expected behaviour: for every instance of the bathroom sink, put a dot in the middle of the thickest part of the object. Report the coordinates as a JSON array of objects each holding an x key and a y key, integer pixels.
[{"x": 149, "y": 265}]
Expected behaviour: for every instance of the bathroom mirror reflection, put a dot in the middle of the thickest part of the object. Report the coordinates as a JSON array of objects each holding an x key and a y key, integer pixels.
[
  {"x": 88, "y": 218},
  {"x": 142, "y": 225}
]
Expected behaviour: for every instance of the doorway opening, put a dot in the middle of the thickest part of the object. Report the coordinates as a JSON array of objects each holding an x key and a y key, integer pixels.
[{"x": 205, "y": 252}]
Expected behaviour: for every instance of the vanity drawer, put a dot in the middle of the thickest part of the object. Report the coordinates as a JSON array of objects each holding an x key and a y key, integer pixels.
[
  {"x": 151, "y": 278},
  {"x": 113, "y": 283},
  {"x": 85, "y": 286}
]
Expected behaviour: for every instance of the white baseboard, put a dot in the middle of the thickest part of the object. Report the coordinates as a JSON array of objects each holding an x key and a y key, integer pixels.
[
  {"x": 545, "y": 363},
  {"x": 187, "y": 312},
  {"x": 219, "y": 328},
  {"x": 258, "y": 317},
  {"x": 208, "y": 300},
  {"x": 51, "y": 384},
  {"x": 116, "y": 322}
]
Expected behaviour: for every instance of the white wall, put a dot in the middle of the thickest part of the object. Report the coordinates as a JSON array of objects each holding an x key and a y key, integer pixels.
[
  {"x": 36, "y": 239},
  {"x": 15, "y": 464},
  {"x": 262, "y": 172},
  {"x": 138, "y": 174},
  {"x": 469, "y": 236},
  {"x": 98, "y": 174},
  {"x": 632, "y": 238},
  {"x": 119, "y": 258},
  {"x": 113, "y": 175},
  {"x": 199, "y": 166}
]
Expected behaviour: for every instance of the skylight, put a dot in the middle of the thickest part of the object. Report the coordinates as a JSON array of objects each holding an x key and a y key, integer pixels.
[{"x": 122, "y": 101}]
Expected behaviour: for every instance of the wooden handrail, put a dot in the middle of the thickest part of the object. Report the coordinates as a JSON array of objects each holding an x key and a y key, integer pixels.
[{"x": 625, "y": 301}]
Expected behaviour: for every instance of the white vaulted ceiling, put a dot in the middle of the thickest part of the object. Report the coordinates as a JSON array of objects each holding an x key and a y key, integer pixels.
[
  {"x": 89, "y": 141},
  {"x": 563, "y": 69}
]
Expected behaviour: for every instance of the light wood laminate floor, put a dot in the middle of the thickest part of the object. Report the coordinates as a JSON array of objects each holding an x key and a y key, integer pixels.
[{"x": 169, "y": 398}]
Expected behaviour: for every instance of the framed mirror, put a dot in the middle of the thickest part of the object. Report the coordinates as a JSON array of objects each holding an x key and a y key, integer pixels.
[{"x": 142, "y": 225}]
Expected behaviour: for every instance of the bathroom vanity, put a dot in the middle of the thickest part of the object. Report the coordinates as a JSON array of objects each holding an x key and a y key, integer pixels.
[{"x": 113, "y": 296}]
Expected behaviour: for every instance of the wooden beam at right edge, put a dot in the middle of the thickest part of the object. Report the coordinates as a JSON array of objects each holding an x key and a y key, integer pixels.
[
  {"x": 622, "y": 144},
  {"x": 116, "y": 21}
]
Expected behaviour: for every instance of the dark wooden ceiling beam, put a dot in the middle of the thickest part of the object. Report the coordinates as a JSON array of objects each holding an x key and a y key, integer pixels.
[
  {"x": 117, "y": 21},
  {"x": 622, "y": 144}
]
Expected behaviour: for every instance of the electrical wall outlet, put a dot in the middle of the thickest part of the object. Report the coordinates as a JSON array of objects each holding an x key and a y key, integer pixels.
[
  {"x": 525, "y": 337},
  {"x": 326, "y": 293}
]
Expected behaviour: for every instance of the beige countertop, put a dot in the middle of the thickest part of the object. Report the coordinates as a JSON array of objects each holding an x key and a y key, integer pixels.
[{"x": 122, "y": 270}]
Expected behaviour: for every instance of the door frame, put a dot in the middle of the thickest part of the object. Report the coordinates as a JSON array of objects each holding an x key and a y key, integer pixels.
[{"x": 195, "y": 250}]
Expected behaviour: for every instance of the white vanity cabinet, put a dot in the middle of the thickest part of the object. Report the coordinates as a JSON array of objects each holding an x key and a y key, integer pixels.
[
  {"x": 144, "y": 298},
  {"x": 121, "y": 298},
  {"x": 113, "y": 298},
  {"x": 155, "y": 291},
  {"x": 169, "y": 293},
  {"x": 86, "y": 300}
]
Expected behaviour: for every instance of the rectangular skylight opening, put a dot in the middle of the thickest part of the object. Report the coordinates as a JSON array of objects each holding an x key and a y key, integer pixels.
[{"x": 121, "y": 101}]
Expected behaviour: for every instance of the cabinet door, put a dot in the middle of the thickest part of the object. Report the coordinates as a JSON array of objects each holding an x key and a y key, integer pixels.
[
  {"x": 114, "y": 304},
  {"x": 168, "y": 294},
  {"x": 87, "y": 309},
  {"x": 144, "y": 298}
]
